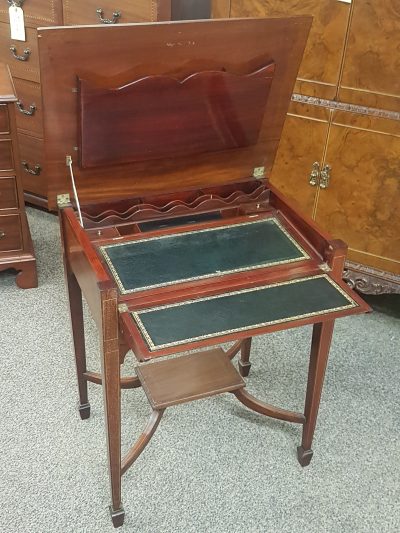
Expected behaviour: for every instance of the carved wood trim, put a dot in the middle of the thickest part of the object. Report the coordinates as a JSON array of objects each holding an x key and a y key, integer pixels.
[
  {"x": 370, "y": 280},
  {"x": 342, "y": 106}
]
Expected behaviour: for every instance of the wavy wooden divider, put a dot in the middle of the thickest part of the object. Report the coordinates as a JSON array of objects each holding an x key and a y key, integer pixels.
[
  {"x": 164, "y": 206},
  {"x": 160, "y": 116}
]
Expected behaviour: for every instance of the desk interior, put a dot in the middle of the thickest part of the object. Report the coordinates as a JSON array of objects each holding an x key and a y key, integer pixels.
[{"x": 163, "y": 260}]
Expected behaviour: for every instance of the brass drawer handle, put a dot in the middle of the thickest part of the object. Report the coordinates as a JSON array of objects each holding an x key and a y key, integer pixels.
[
  {"x": 35, "y": 171},
  {"x": 2, "y": 234},
  {"x": 313, "y": 179},
  {"x": 16, "y": 3},
  {"x": 114, "y": 20},
  {"x": 325, "y": 177},
  {"x": 20, "y": 107},
  {"x": 24, "y": 57}
]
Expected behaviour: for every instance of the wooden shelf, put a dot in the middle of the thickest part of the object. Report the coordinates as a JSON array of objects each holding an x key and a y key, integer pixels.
[{"x": 189, "y": 378}]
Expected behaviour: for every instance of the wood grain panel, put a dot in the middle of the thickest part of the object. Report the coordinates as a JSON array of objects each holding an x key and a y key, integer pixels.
[
  {"x": 361, "y": 205},
  {"x": 31, "y": 151},
  {"x": 301, "y": 144},
  {"x": 372, "y": 60},
  {"x": 21, "y": 69},
  {"x": 4, "y": 122},
  {"x": 323, "y": 53},
  {"x": 369, "y": 99},
  {"x": 29, "y": 93},
  {"x": 174, "y": 49},
  {"x": 78, "y": 12},
  {"x": 380, "y": 263},
  {"x": 220, "y": 9},
  {"x": 36, "y": 12},
  {"x": 6, "y": 155},
  {"x": 8, "y": 193},
  {"x": 10, "y": 233}
]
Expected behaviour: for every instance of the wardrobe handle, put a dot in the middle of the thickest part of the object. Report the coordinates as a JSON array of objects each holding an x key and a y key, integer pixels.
[
  {"x": 325, "y": 177},
  {"x": 313, "y": 179},
  {"x": 20, "y": 107},
  {"x": 35, "y": 171},
  {"x": 24, "y": 57},
  {"x": 114, "y": 20}
]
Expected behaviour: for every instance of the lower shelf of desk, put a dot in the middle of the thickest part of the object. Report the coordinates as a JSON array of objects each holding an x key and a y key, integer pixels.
[{"x": 188, "y": 378}]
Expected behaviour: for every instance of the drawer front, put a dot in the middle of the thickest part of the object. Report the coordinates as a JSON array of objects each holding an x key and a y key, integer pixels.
[
  {"x": 4, "y": 122},
  {"x": 6, "y": 155},
  {"x": 10, "y": 233},
  {"x": 36, "y": 12},
  {"x": 33, "y": 175},
  {"x": 78, "y": 12},
  {"x": 8, "y": 193},
  {"x": 28, "y": 69},
  {"x": 29, "y": 107}
]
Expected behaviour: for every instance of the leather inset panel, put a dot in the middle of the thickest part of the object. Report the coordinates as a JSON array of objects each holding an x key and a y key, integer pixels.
[
  {"x": 189, "y": 321},
  {"x": 169, "y": 259}
]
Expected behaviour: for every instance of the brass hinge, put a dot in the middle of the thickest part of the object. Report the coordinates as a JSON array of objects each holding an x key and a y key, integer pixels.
[
  {"x": 325, "y": 267},
  {"x": 63, "y": 200},
  {"x": 258, "y": 172}
]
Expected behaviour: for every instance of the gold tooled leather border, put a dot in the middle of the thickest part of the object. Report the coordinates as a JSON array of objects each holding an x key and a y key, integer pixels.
[
  {"x": 136, "y": 314},
  {"x": 103, "y": 251}
]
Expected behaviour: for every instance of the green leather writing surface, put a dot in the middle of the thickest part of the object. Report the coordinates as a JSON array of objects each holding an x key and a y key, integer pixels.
[
  {"x": 168, "y": 259},
  {"x": 188, "y": 321}
]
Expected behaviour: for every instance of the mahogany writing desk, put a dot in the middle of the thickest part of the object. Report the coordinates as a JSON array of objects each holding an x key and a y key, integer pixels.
[{"x": 195, "y": 248}]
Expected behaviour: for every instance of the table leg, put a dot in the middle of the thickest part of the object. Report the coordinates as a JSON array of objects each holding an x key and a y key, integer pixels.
[
  {"x": 244, "y": 361},
  {"x": 320, "y": 344},
  {"x": 76, "y": 313},
  {"x": 110, "y": 367}
]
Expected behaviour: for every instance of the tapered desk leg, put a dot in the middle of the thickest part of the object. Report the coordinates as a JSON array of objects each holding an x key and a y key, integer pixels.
[
  {"x": 110, "y": 362},
  {"x": 244, "y": 360},
  {"x": 320, "y": 344},
  {"x": 75, "y": 303}
]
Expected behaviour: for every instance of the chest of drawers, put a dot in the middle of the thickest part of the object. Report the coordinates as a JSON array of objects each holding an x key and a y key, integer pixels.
[
  {"x": 16, "y": 250},
  {"x": 23, "y": 61}
]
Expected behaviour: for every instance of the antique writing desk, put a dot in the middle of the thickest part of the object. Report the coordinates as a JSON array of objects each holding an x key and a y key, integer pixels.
[{"x": 194, "y": 248}]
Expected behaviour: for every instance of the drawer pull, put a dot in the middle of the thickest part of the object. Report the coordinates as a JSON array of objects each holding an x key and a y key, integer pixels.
[
  {"x": 325, "y": 177},
  {"x": 16, "y": 3},
  {"x": 2, "y": 234},
  {"x": 114, "y": 20},
  {"x": 20, "y": 107},
  {"x": 24, "y": 57},
  {"x": 35, "y": 171}
]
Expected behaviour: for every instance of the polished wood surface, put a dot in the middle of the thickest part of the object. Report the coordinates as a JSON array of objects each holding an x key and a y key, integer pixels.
[
  {"x": 188, "y": 378},
  {"x": 323, "y": 54},
  {"x": 361, "y": 203},
  {"x": 28, "y": 69},
  {"x": 173, "y": 59},
  {"x": 29, "y": 109},
  {"x": 8, "y": 193},
  {"x": 372, "y": 59},
  {"x": 16, "y": 250},
  {"x": 78, "y": 12},
  {"x": 36, "y": 12},
  {"x": 174, "y": 192},
  {"x": 302, "y": 143},
  {"x": 160, "y": 116}
]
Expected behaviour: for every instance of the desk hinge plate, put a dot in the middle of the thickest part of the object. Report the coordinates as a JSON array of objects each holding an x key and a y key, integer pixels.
[{"x": 63, "y": 200}]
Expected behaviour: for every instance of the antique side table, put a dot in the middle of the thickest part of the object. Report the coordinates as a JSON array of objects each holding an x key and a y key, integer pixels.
[{"x": 194, "y": 248}]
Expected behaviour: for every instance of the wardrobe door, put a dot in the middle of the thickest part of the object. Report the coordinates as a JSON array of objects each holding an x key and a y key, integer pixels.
[
  {"x": 361, "y": 202},
  {"x": 320, "y": 68},
  {"x": 300, "y": 152}
]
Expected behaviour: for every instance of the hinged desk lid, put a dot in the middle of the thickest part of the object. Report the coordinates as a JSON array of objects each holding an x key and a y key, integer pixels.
[{"x": 166, "y": 106}]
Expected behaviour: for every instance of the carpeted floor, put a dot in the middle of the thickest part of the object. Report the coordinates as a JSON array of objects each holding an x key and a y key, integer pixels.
[{"x": 212, "y": 466}]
